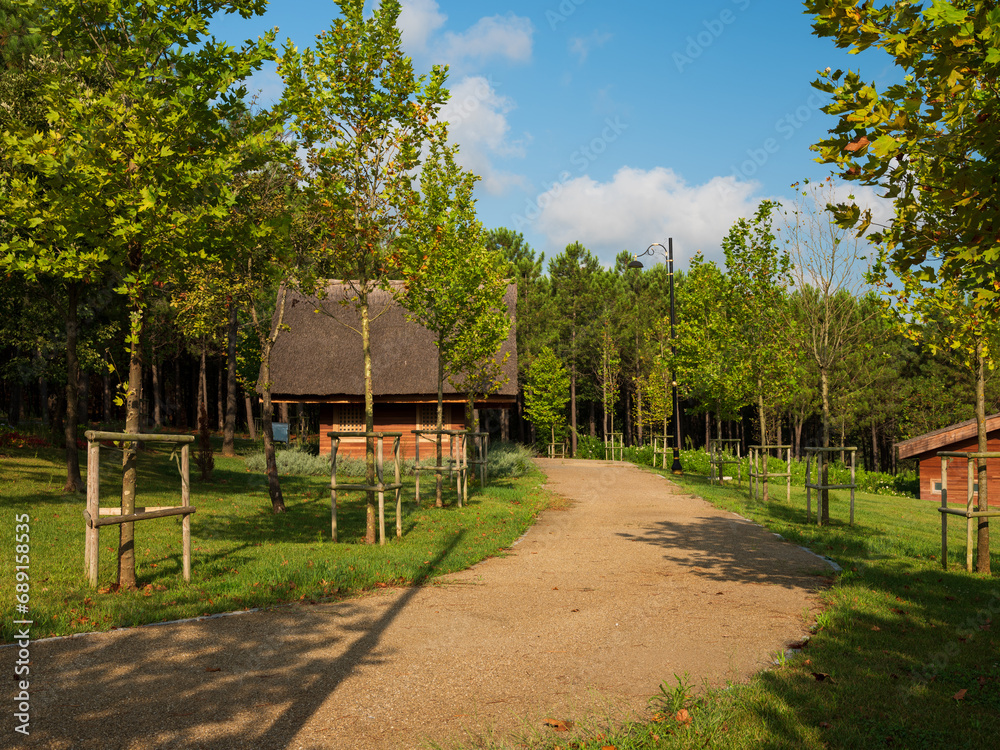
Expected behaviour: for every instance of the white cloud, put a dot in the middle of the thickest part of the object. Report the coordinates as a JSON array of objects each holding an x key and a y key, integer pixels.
[
  {"x": 418, "y": 20},
  {"x": 506, "y": 36},
  {"x": 639, "y": 207},
  {"x": 477, "y": 117},
  {"x": 581, "y": 46}
]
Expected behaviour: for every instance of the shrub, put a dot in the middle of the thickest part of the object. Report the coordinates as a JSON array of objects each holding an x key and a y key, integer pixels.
[{"x": 508, "y": 460}]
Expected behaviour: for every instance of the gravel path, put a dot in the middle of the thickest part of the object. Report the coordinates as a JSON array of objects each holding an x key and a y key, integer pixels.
[{"x": 593, "y": 608}]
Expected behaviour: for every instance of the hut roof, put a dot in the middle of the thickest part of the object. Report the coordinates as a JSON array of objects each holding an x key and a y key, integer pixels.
[
  {"x": 319, "y": 356},
  {"x": 940, "y": 439}
]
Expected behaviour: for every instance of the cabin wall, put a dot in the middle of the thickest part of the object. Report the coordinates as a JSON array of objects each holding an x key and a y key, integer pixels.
[
  {"x": 391, "y": 418},
  {"x": 930, "y": 473}
]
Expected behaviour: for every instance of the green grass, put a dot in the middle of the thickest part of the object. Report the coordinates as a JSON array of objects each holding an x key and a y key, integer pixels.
[
  {"x": 899, "y": 638},
  {"x": 243, "y": 555}
]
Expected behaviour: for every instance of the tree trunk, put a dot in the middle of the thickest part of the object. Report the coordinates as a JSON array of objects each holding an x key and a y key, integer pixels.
[
  {"x": 505, "y": 425},
  {"x": 593, "y": 420},
  {"x": 283, "y": 411},
  {"x": 572, "y": 411},
  {"x": 74, "y": 482},
  {"x": 219, "y": 400},
  {"x": 366, "y": 347},
  {"x": 83, "y": 415},
  {"x": 983, "y": 537},
  {"x": 154, "y": 367},
  {"x": 438, "y": 448},
  {"x": 229, "y": 429},
  {"x": 251, "y": 426},
  {"x": 202, "y": 381},
  {"x": 824, "y": 495},
  {"x": 763, "y": 432},
  {"x": 798, "y": 437},
  {"x": 108, "y": 413},
  {"x": 273, "y": 485},
  {"x": 875, "y": 461},
  {"x": 43, "y": 399},
  {"x": 126, "y": 534}
]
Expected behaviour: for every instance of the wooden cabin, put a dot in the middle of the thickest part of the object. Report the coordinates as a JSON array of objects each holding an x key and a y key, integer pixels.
[
  {"x": 960, "y": 438},
  {"x": 319, "y": 360}
]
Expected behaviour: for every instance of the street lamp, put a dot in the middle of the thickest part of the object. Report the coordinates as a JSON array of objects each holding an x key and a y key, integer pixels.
[{"x": 668, "y": 251}]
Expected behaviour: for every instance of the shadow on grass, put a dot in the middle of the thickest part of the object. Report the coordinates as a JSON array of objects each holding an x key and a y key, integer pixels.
[{"x": 222, "y": 678}]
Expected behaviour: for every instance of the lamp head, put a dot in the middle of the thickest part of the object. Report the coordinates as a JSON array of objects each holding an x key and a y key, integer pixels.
[{"x": 635, "y": 264}]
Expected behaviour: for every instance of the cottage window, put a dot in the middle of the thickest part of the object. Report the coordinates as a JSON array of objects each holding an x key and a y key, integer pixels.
[
  {"x": 426, "y": 416},
  {"x": 937, "y": 488},
  {"x": 351, "y": 418}
]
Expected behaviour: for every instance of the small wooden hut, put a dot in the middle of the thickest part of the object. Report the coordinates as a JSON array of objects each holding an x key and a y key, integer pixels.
[
  {"x": 319, "y": 360},
  {"x": 962, "y": 438}
]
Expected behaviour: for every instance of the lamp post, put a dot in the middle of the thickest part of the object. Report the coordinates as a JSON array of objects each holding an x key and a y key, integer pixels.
[{"x": 668, "y": 251}]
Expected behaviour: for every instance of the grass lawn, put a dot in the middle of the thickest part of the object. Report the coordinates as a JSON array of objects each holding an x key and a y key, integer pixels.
[
  {"x": 243, "y": 556},
  {"x": 905, "y": 654}
]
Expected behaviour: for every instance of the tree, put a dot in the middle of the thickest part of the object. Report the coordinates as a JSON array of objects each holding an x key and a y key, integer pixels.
[
  {"x": 134, "y": 158},
  {"x": 361, "y": 115},
  {"x": 931, "y": 141},
  {"x": 831, "y": 325},
  {"x": 547, "y": 392},
  {"x": 535, "y": 307},
  {"x": 708, "y": 362},
  {"x": 454, "y": 282},
  {"x": 573, "y": 274},
  {"x": 758, "y": 271}
]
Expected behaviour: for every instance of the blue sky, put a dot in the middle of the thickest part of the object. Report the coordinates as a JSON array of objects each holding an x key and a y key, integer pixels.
[{"x": 614, "y": 124}]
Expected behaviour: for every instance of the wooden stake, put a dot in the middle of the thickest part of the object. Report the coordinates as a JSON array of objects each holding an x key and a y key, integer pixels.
[{"x": 186, "y": 503}]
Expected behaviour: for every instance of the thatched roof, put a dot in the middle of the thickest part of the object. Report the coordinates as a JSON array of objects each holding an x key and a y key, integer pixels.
[
  {"x": 940, "y": 440},
  {"x": 319, "y": 358}
]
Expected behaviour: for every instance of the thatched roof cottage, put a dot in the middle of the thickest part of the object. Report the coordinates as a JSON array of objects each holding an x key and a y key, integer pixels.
[{"x": 318, "y": 360}]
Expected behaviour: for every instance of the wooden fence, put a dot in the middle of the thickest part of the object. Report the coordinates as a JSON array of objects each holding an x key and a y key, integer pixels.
[
  {"x": 970, "y": 514},
  {"x": 822, "y": 464},
  {"x": 759, "y": 474},
  {"x": 380, "y": 487},
  {"x": 93, "y": 512}
]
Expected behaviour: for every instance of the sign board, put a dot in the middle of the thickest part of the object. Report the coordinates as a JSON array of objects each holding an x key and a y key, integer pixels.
[{"x": 280, "y": 430}]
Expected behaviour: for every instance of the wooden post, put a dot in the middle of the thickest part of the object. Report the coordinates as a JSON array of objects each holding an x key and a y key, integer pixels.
[
  {"x": 334, "y": 447},
  {"x": 416, "y": 465},
  {"x": 185, "y": 503},
  {"x": 854, "y": 455},
  {"x": 788, "y": 492},
  {"x": 822, "y": 459},
  {"x": 91, "y": 548},
  {"x": 399, "y": 489},
  {"x": 381, "y": 491},
  {"x": 808, "y": 488},
  {"x": 968, "y": 519},
  {"x": 944, "y": 516}
]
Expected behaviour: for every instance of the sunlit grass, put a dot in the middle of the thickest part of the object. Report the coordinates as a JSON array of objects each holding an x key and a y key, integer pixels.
[{"x": 243, "y": 555}]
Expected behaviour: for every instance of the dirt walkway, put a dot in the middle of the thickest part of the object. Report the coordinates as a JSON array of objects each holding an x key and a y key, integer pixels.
[{"x": 596, "y": 605}]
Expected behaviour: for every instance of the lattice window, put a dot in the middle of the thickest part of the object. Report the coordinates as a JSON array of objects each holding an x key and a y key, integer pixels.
[
  {"x": 426, "y": 416},
  {"x": 350, "y": 418}
]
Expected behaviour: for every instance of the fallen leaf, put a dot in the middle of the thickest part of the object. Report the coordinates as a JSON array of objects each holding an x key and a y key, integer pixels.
[
  {"x": 822, "y": 677},
  {"x": 876, "y": 628},
  {"x": 213, "y": 669},
  {"x": 982, "y": 681},
  {"x": 825, "y": 724},
  {"x": 574, "y": 610},
  {"x": 683, "y": 717},
  {"x": 559, "y": 726},
  {"x": 960, "y": 695},
  {"x": 798, "y": 645}
]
